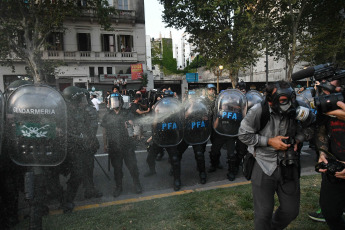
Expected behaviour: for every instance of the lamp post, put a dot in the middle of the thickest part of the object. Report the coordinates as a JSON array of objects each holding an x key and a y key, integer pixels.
[{"x": 219, "y": 73}]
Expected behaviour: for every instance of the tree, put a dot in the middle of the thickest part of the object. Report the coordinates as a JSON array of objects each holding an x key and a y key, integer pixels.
[
  {"x": 221, "y": 31},
  {"x": 311, "y": 31},
  {"x": 25, "y": 26},
  {"x": 326, "y": 30}
]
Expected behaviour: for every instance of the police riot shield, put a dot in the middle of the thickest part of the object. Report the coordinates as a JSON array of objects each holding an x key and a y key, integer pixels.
[
  {"x": 36, "y": 125},
  {"x": 309, "y": 94},
  {"x": 253, "y": 97},
  {"x": 197, "y": 122},
  {"x": 303, "y": 101},
  {"x": 126, "y": 101},
  {"x": 2, "y": 118},
  {"x": 230, "y": 108},
  {"x": 167, "y": 129}
]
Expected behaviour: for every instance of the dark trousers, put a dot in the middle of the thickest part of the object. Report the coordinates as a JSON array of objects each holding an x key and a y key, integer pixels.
[
  {"x": 120, "y": 155},
  {"x": 199, "y": 151},
  {"x": 217, "y": 142},
  {"x": 152, "y": 153},
  {"x": 332, "y": 202},
  {"x": 264, "y": 187}
]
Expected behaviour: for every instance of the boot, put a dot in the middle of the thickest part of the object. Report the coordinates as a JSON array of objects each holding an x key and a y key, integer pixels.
[
  {"x": 92, "y": 193},
  {"x": 202, "y": 176},
  {"x": 117, "y": 191},
  {"x": 233, "y": 168},
  {"x": 137, "y": 186},
  {"x": 177, "y": 184},
  {"x": 150, "y": 173}
]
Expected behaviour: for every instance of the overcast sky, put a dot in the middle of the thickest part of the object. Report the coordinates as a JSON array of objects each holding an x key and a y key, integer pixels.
[{"x": 154, "y": 24}]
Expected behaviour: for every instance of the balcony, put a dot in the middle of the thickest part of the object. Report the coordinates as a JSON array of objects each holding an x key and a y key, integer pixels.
[
  {"x": 90, "y": 56},
  {"x": 120, "y": 15}
]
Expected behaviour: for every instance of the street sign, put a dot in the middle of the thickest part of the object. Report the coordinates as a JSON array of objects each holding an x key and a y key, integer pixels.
[{"x": 192, "y": 77}]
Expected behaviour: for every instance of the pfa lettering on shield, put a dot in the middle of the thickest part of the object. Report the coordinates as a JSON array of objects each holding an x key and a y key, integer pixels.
[
  {"x": 198, "y": 124},
  {"x": 231, "y": 115},
  {"x": 169, "y": 126}
]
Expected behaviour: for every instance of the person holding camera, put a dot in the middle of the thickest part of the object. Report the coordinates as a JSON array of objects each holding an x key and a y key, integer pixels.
[
  {"x": 331, "y": 149},
  {"x": 274, "y": 145}
]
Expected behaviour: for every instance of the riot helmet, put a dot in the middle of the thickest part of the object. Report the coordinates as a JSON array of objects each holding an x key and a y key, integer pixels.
[
  {"x": 168, "y": 93},
  {"x": 74, "y": 95},
  {"x": 87, "y": 96},
  {"x": 191, "y": 94},
  {"x": 241, "y": 86},
  {"x": 283, "y": 99},
  {"x": 115, "y": 101},
  {"x": 253, "y": 97},
  {"x": 211, "y": 90},
  {"x": 14, "y": 85}
]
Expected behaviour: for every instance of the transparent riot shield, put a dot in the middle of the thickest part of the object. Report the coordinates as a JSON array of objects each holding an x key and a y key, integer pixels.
[
  {"x": 36, "y": 125},
  {"x": 2, "y": 119},
  {"x": 167, "y": 129},
  {"x": 253, "y": 97},
  {"x": 308, "y": 93},
  {"x": 197, "y": 122},
  {"x": 303, "y": 101},
  {"x": 230, "y": 108}
]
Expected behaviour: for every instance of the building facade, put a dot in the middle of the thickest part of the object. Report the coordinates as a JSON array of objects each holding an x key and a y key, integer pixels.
[{"x": 92, "y": 57}]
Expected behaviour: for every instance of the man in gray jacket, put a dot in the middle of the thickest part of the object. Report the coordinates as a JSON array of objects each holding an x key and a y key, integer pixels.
[{"x": 274, "y": 146}]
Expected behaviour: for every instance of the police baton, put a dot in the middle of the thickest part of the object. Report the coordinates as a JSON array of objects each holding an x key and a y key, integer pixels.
[{"x": 102, "y": 168}]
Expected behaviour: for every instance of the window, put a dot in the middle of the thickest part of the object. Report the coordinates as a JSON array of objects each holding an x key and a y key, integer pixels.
[
  {"x": 125, "y": 43},
  {"x": 122, "y": 4},
  {"x": 55, "y": 41},
  {"x": 82, "y": 2},
  {"x": 109, "y": 70},
  {"x": 100, "y": 70},
  {"x": 108, "y": 42},
  {"x": 92, "y": 71},
  {"x": 84, "y": 41}
]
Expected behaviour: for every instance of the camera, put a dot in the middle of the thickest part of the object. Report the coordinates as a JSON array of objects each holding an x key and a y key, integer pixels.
[
  {"x": 324, "y": 103},
  {"x": 332, "y": 167},
  {"x": 290, "y": 156}
]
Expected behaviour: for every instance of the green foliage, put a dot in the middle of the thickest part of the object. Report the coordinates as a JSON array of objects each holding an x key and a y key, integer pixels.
[
  {"x": 162, "y": 55},
  {"x": 220, "y": 30},
  {"x": 26, "y": 25},
  {"x": 144, "y": 80}
]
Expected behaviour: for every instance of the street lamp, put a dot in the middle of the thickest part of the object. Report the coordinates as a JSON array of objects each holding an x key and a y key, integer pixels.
[{"x": 219, "y": 73}]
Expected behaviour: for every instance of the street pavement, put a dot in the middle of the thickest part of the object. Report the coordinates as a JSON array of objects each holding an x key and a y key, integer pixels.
[{"x": 161, "y": 183}]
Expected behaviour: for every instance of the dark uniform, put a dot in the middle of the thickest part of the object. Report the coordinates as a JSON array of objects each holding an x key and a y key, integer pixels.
[
  {"x": 92, "y": 145},
  {"x": 76, "y": 150},
  {"x": 120, "y": 148}
]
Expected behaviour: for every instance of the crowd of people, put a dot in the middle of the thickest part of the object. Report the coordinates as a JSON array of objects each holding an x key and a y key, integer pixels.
[{"x": 269, "y": 131}]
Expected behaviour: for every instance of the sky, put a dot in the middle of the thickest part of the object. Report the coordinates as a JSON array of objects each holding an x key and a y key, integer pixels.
[{"x": 154, "y": 24}]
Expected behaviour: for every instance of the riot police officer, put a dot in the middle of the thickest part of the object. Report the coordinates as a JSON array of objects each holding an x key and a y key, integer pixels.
[
  {"x": 197, "y": 130},
  {"x": 11, "y": 179},
  {"x": 76, "y": 144},
  {"x": 167, "y": 131},
  {"x": 120, "y": 146},
  {"x": 231, "y": 107},
  {"x": 92, "y": 145}
]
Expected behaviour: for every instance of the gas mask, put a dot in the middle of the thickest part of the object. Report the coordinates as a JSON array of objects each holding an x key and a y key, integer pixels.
[
  {"x": 115, "y": 101},
  {"x": 287, "y": 106},
  {"x": 326, "y": 85}
]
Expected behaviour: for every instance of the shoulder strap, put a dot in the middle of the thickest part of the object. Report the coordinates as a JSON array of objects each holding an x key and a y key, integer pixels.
[{"x": 265, "y": 115}]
